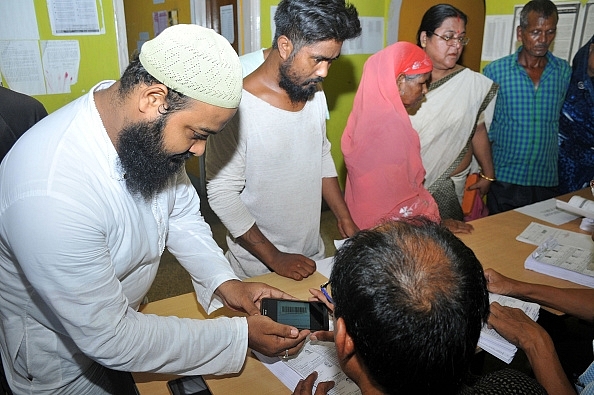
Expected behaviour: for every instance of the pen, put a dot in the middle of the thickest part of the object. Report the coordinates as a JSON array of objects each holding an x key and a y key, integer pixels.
[{"x": 326, "y": 294}]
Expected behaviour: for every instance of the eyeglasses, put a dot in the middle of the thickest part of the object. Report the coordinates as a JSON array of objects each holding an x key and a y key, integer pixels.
[
  {"x": 451, "y": 40},
  {"x": 325, "y": 292}
]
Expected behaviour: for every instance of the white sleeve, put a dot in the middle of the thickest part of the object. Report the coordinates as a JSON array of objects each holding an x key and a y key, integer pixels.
[
  {"x": 225, "y": 173},
  {"x": 61, "y": 245}
]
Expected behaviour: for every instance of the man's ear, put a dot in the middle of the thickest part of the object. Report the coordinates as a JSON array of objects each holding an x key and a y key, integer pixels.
[
  {"x": 345, "y": 347},
  {"x": 519, "y": 33},
  {"x": 285, "y": 47},
  {"x": 151, "y": 98}
]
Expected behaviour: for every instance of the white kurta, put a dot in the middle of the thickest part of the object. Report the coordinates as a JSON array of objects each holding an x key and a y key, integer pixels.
[
  {"x": 266, "y": 167},
  {"x": 78, "y": 253}
]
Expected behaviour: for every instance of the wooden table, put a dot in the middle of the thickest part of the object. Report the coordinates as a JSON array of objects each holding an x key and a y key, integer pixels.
[
  {"x": 495, "y": 245},
  {"x": 254, "y": 378},
  {"x": 493, "y": 242}
]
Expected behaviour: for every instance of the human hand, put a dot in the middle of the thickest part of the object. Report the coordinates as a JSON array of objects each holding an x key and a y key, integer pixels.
[
  {"x": 318, "y": 295},
  {"x": 295, "y": 266},
  {"x": 482, "y": 185},
  {"x": 347, "y": 227},
  {"x": 499, "y": 284},
  {"x": 304, "y": 387},
  {"x": 274, "y": 339},
  {"x": 326, "y": 336},
  {"x": 246, "y": 296},
  {"x": 515, "y": 326},
  {"x": 456, "y": 226}
]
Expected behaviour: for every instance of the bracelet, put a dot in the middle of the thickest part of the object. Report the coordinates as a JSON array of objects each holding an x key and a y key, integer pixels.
[{"x": 487, "y": 178}]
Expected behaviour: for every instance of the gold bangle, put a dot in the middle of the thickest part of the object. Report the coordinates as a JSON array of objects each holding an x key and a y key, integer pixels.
[{"x": 487, "y": 178}]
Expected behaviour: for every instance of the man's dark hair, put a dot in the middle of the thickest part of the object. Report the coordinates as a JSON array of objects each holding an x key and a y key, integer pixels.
[
  {"x": 306, "y": 22},
  {"x": 435, "y": 16},
  {"x": 135, "y": 74},
  {"x": 413, "y": 298},
  {"x": 544, "y": 8}
]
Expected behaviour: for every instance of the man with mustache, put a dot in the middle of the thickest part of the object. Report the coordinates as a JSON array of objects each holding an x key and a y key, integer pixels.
[
  {"x": 524, "y": 133},
  {"x": 268, "y": 171},
  {"x": 89, "y": 199}
]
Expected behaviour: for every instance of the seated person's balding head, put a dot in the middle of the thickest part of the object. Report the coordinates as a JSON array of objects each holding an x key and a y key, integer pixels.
[{"x": 412, "y": 299}]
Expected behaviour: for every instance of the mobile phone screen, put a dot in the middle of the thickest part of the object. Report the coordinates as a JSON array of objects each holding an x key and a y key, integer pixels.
[
  {"x": 300, "y": 314},
  {"x": 189, "y": 385}
]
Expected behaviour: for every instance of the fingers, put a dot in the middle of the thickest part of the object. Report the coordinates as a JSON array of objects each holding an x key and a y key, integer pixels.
[
  {"x": 272, "y": 339},
  {"x": 306, "y": 386},
  {"x": 324, "y": 387},
  {"x": 458, "y": 226},
  {"x": 319, "y": 295},
  {"x": 323, "y": 336}
]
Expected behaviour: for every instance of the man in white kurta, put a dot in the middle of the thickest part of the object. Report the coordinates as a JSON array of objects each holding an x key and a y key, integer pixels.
[{"x": 79, "y": 248}]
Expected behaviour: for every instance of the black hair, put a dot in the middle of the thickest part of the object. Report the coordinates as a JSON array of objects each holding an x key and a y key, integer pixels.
[
  {"x": 135, "y": 74},
  {"x": 413, "y": 298},
  {"x": 434, "y": 17},
  {"x": 306, "y": 22},
  {"x": 544, "y": 8}
]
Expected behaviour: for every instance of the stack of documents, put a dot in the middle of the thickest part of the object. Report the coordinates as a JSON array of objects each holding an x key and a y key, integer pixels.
[
  {"x": 563, "y": 261},
  {"x": 491, "y": 341}
]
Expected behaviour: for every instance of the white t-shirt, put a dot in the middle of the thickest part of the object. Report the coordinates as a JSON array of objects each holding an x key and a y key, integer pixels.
[{"x": 266, "y": 167}]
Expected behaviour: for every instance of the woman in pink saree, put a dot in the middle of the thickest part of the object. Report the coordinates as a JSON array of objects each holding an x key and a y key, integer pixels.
[{"x": 381, "y": 149}]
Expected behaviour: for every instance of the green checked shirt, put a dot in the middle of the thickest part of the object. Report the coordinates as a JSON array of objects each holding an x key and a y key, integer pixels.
[{"x": 526, "y": 120}]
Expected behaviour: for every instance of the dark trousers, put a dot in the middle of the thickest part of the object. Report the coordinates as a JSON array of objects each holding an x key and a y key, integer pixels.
[{"x": 504, "y": 196}]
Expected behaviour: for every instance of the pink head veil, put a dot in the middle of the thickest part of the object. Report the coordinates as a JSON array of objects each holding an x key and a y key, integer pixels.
[{"x": 380, "y": 146}]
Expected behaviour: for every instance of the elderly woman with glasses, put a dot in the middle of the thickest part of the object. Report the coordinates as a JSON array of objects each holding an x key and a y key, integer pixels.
[{"x": 452, "y": 122}]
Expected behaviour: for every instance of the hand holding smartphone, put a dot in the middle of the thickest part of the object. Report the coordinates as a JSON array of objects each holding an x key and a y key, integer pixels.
[{"x": 300, "y": 314}]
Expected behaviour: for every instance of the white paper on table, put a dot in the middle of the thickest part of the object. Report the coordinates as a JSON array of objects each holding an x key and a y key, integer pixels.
[
  {"x": 536, "y": 234},
  {"x": 547, "y": 211},
  {"x": 324, "y": 266},
  {"x": 578, "y": 205},
  {"x": 314, "y": 356}
]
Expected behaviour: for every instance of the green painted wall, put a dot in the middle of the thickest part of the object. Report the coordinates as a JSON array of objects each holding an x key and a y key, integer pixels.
[{"x": 98, "y": 54}]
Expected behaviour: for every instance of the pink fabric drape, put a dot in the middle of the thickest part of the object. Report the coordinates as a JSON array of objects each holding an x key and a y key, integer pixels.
[{"x": 380, "y": 147}]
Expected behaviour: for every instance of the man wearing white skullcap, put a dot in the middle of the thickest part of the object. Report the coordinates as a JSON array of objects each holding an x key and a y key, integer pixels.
[{"x": 89, "y": 199}]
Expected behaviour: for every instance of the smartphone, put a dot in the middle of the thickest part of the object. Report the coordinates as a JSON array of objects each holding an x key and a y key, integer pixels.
[
  {"x": 297, "y": 313},
  {"x": 189, "y": 385}
]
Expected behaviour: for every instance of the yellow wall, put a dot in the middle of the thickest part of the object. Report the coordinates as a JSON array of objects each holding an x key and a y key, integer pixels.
[
  {"x": 139, "y": 17},
  {"x": 98, "y": 55}
]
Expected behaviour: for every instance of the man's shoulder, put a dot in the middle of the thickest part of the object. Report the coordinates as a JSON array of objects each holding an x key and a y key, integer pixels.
[
  {"x": 558, "y": 62},
  {"x": 499, "y": 64}
]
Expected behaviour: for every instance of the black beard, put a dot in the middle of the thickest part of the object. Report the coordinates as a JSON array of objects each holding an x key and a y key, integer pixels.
[
  {"x": 298, "y": 93},
  {"x": 147, "y": 166}
]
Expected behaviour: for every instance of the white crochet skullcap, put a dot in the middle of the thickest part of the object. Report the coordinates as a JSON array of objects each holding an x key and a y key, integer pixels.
[{"x": 197, "y": 62}]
